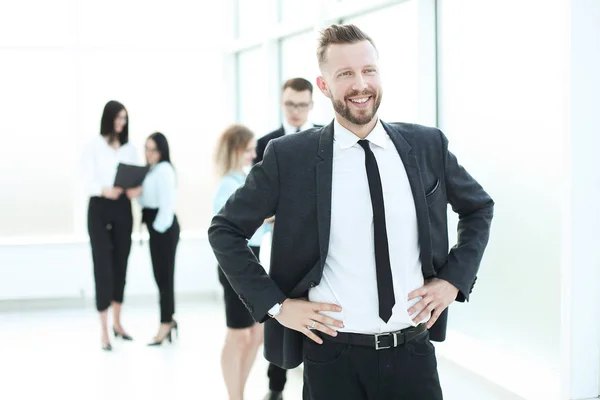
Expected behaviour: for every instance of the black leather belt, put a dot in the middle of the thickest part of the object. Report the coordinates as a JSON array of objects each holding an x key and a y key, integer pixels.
[{"x": 379, "y": 341}]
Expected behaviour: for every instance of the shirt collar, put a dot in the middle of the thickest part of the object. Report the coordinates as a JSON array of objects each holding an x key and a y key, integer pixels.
[
  {"x": 347, "y": 139},
  {"x": 288, "y": 129}
]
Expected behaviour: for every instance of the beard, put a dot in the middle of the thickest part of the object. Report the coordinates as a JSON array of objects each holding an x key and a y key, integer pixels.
[{"x": 362, "y": 117}]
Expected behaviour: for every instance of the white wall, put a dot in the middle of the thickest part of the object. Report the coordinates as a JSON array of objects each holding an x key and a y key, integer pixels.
[
  {"x": 62, "y": 61},
  {"x": 64, "y": 271},
  {"x": 581, "y": 254},
  {"x": 502, "y": 106}
]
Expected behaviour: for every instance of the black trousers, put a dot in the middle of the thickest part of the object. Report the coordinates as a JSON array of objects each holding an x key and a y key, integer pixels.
[
  {"x": 109, "y": 225},
  {"x": 277, "y": 378},
  {"x": 163, "y": 247},
  {"x": 340, "y": 371}
]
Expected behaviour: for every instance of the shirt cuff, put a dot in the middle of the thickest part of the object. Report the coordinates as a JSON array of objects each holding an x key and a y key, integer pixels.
[{"x": 274, "y": 309}]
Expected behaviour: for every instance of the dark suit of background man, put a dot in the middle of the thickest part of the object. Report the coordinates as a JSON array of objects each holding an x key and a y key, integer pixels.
[
  {"x": 361, "y": 231},
  {"x": 296, "y": 103}
]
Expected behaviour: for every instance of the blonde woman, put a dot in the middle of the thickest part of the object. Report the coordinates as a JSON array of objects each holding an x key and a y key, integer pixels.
[{"x": 236, "y": 149}]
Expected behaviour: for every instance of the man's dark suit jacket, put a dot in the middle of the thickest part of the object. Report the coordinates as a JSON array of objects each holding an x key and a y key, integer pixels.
[{"x": 294, "y": 181}]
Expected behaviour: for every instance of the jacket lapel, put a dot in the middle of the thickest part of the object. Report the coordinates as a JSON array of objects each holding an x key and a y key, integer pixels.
[
  {"x": 416, "y": 184},
  {"x": 324, "y": 167}
]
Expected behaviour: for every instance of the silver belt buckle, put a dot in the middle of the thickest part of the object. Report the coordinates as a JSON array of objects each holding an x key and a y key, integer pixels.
[{"x": 377, "y": 336}]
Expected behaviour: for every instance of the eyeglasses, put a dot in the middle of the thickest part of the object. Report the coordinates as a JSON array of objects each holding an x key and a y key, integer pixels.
[{"x": 296, "y": 106}]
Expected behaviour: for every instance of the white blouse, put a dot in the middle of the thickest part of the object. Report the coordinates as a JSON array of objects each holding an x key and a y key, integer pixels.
[{"x": 100, "y": 162}]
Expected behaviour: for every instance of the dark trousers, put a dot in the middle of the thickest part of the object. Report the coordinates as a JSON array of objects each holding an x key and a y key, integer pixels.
[
  {"x": 340, "y": 371},
  {"x": 109, "y": 225},
  {"x": 163, "y": 247},
  {"x": 277, "y": 378}
]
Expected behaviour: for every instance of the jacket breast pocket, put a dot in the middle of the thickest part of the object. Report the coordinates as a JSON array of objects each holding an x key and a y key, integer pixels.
[{"x": 433, "y": 191}]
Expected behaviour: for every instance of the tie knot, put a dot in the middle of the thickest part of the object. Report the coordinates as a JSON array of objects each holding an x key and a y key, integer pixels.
[{"x": 364, "y": 144}]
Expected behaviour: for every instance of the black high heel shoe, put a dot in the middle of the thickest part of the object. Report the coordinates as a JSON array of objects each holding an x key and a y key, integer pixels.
[
  {"x": 168, "y": 336},
  {"x": 124, "y": 336}
]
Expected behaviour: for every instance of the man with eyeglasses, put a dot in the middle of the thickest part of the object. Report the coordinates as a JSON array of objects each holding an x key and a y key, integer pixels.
[{"x": 296, "y": 102}]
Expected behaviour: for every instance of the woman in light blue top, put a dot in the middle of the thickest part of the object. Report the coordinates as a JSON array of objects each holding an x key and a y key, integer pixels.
[
  {"x": 157, "y": 196},
  {"x": 236, "y": 150}
]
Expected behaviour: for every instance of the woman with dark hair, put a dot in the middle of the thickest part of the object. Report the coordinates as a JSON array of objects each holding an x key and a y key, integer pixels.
[
  {"x": 157, "y": 196},
  {"x": 109, "y": 215}
]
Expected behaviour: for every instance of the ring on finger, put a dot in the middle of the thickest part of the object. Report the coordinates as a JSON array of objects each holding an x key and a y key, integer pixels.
[{"x": 312, "y": 326}]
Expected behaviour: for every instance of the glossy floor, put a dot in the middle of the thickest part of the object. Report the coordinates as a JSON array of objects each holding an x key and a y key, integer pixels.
[{"x": 55, "y": 354}]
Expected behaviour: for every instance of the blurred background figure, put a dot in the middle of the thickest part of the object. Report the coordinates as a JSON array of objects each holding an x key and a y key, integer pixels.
[
  {"x": 110, "y": 220},
  {"x": 296, "y": 103},
  {"x": 158, "y": 197},
  {"x": 236, "y": 150}
]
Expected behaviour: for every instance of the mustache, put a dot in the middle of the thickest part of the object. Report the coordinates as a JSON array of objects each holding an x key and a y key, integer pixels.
[{"x": 356, "y": 93}]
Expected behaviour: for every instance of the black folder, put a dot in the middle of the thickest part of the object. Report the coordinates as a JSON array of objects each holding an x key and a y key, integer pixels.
[{"x": 130, "y": 176}]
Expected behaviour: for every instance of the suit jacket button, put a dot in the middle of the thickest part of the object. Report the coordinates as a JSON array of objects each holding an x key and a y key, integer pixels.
[
  {"x": 312, "y": 284},
  {"x": 250, "y": 308}
]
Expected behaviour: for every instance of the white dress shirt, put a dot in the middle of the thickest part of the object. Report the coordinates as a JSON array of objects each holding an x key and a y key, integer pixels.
[
  {"x": 349, "y": 277},
  {"x": 100, "y": 161},
  {"x": 159, "y": 191},
  {"x": 289, "y": 129}
]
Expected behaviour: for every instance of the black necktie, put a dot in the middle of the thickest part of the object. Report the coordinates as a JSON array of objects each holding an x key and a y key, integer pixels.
[{"x": 385, "y": 285}]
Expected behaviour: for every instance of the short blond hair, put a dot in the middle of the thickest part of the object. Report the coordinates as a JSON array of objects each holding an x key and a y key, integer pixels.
[{"x": 340, "y": 34}]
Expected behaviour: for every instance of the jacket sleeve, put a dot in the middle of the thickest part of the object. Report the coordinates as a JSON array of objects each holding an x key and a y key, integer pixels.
[
  {"x": 475, "y": 209},
  {"x": 235, "y": 223}
]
